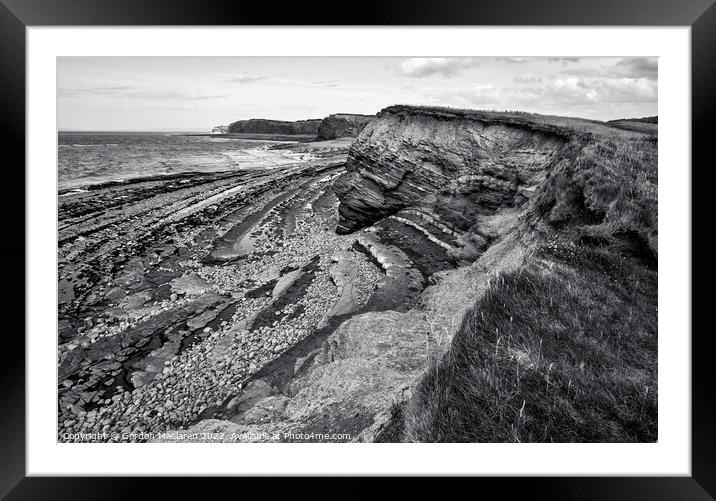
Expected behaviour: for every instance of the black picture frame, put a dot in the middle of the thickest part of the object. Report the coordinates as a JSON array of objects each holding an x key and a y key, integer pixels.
[{"x": 700, "y": 15}]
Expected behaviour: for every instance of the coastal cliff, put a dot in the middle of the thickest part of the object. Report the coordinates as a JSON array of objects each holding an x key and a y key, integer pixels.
[
  {"x": 407, "y": 154},
  {"x": 342, "y": 125},
  {"x": 336, "y": 126},
  {"x": 264, "y": 126},
  {"x": 497, "y": 234}
]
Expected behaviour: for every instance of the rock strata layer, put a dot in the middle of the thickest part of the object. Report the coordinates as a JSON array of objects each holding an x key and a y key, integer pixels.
[
  {"x": 164, "y": 309},
  {"x": 407, "y": 154}
]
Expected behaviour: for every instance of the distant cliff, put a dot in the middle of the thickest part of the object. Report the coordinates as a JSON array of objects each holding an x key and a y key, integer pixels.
[
  {"x": 264, "y": 126},
  {"x": 342, "y": 125},
  {"x": 220, "y": 129}
]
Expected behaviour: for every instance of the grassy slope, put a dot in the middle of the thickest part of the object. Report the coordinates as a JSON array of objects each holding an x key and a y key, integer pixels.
[
  {"x": 604, "y": 190},
  {"x": 565, "y": 348},
  {"x": 636, "y": 126}
]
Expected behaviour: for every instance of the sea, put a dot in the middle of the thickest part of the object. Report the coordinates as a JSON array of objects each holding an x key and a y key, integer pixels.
[{"x": 87, "y": 158}]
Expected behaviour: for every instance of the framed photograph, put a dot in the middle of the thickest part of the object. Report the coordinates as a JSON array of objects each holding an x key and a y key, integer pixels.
[{"x": 450, "y": 240}]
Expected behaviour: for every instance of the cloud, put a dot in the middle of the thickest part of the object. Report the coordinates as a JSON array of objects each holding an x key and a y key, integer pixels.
[
  {"x": 522, "y": 60},
  {"x": 516, "y": 60},
  {"x": 527, "y": 78},
  {"x": 246, "y": 79},
  {"x": 100, "y": 91},
  {"x": 171, "y": 95},
  {"x": 631, "y": 67},
  {"x": 572, "y": 94},
  {"x": 420, "y": 67},
  {"x": 563, "y": 60},
  {"x": 327, "y": 83},
  {"x": 126, "y": 92},
  {"x": 576, "y": 91},
  {"x": 637, "y": 67}
]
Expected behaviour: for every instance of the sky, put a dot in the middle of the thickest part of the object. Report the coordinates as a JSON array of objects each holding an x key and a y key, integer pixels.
[{"x": 198, "y": 93}]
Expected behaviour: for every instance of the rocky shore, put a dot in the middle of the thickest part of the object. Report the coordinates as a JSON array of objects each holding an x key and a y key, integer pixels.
[
  {"x": 165, "y": 307},
  {"x": 177, "y": 292}
]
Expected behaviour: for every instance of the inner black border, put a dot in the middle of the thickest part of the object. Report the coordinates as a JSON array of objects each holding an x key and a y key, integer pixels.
[{"x": 700, "y": 15}]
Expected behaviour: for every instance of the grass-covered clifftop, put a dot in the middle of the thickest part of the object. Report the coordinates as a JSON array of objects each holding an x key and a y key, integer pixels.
[{"x": 564, "y": 349}]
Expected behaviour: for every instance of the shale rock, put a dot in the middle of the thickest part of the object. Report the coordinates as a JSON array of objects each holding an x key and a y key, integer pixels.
[{"x": 407, "y": 153}]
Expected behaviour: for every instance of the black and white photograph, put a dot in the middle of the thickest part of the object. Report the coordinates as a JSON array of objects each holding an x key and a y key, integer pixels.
[
  {"x": 357, "y": 249},
  {"x": 464, "y": 240}
]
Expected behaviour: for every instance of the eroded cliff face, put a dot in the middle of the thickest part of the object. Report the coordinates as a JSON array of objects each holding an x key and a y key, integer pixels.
[
  {"x": 342, "y": 125},
  {"x": 408, "y": 154},
  {"x": 263, "y": 126}
]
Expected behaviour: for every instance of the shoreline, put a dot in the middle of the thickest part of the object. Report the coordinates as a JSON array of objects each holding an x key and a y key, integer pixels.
[{"x": 299, "y": 144}]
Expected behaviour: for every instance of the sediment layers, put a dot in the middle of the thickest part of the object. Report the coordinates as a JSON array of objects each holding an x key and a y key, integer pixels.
[
  {"x": 193, "y": 299},
  {"x": 161, "y": 319},
  {"x": 463, "y": 196},
  {"x": 347, "y": 386},
  {"x": 407, "y": 154}
]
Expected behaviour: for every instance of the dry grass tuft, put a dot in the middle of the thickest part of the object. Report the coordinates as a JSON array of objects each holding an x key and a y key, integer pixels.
[{"x": 604, "y": 191}]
